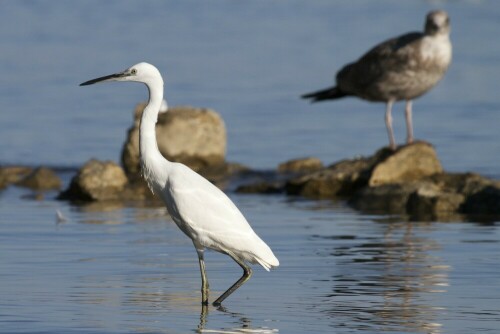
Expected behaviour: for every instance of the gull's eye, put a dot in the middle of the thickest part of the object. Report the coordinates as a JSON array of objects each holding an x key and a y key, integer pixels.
[{"x": 134, "y": 71}]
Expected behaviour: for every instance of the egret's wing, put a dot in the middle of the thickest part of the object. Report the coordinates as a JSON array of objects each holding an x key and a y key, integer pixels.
[{"x": 208, "y": 213}]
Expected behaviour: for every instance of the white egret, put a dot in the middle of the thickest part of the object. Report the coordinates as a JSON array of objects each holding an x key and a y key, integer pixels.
[
  {"x": 402, "y": 68},
  {"x": 200, "y": 209}
]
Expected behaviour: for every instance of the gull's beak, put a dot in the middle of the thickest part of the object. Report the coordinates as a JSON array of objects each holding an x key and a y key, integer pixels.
[{"x": 111, "y": 77}]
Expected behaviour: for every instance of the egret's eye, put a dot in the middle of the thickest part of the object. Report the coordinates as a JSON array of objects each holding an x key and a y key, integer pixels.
[{"x": 134, "y": 71}]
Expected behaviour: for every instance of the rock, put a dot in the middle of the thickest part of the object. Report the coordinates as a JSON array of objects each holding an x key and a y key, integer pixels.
[
  {"x": 193, "y": 136},
  {"x": 97, "y": 181},
  {"x": 408, "y": 163},
  {"x": 483, "y": 202},
  {"x": 41, "y": 178},
  {"x": 262, "y": 187},
  {"x": 341, "y": 179},
  {"x": 429, "y": 202},
  {"x": 437, "y": 197},
  {"x": 12, "y": 174},
  {"x": 301, "y": 165},
  {"x": 387, "y": 198}
]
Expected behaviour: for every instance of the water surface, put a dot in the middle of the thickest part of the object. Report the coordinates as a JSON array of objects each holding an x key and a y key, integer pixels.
[{"x": 129, "y": 269}]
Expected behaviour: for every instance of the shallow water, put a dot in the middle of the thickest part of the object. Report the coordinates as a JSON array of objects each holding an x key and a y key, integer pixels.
[
  {"x": 129, "y": 269},
  {"x": 126, "y": 268}
]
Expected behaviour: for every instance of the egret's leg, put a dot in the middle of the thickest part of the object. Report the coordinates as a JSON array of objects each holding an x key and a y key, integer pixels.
[
  {"x": 203, "y": 318},
  {"x": 204, "y": 281},
  {"x": 388, "y": 124},
  {"x": 409, "y": 124},
  {"x": 247, "y": 273}
]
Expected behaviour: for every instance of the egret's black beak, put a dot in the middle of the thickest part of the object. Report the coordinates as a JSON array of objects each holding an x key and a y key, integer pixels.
[{"x": 105, "y": 78}]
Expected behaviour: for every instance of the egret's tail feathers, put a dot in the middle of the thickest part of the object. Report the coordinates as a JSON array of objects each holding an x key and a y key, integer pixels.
[
  {"x": 330, "y": 93},
  {"x": 265, "y": 257},
  {"x": 268, "y": 264}
]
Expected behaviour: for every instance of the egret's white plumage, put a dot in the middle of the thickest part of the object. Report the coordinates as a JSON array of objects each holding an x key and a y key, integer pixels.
[{"x": 200, "y": 209}]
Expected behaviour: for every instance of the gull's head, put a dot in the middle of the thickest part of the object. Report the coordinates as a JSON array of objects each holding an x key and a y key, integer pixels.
[
  {"x": 437, "y": 23},
  {"x": 141, "y": 72}
]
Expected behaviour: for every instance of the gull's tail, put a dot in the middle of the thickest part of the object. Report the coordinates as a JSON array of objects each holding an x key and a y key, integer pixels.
[{"x": 330, "y": 93}]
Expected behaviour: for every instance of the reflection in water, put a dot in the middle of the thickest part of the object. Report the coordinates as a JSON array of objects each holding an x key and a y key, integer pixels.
[
  {"x": 245, "y": 324},
  {"x": 383, "y": 282},
  {"x": 146, "y": 302}
]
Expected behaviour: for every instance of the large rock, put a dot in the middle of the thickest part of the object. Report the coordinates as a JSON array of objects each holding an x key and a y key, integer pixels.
[
  {"x": 41, "y": 178},
  {"x": 343, "y": 179},
  {"x": 97, "y": 181},
  {"x": 408, "y": 163},
  {"x": 193, "y": 136}
]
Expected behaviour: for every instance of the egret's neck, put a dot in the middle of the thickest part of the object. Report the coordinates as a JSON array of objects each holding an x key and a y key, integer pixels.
[{"x": 153, "y": 164}]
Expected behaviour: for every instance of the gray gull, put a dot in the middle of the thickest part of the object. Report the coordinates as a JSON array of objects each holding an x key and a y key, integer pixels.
[{"x": 401, "y": 68}]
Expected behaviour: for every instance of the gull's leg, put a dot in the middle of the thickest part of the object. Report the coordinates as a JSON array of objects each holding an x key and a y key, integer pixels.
[
  {"x": 247, "y": 273},
  {"x": 388, "y": 124},
  {"x": 204, "y": 281},
  {"x": 409, "y": 123}
]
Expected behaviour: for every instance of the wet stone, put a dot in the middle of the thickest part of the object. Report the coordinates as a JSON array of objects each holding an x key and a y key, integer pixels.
[
  {"x": 97, "y": 181},
  {"x": 301, "y": 165},
  {"x": 12, "y": 174},
  {"x": 41, "y": 178},
  {"x": 408, "y": 163}
]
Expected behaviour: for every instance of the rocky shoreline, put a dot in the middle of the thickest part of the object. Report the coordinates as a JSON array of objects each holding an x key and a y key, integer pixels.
[{"x": 409, "y": 181}]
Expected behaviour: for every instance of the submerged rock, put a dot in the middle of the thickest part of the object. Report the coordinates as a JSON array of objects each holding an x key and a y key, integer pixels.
[
  {"x": 41, "y": 178},
  {"x": 434, "y": 197},
  {"x": 262, "y": 187},
  {"x": 431, "y": 203},
  {"x": 97, "y": 181},
  {"x": 302, "y": 165},
  {"x": 12, "y": 174},
  {"x": 195, "y": 137},
  {"x": 387, "y": 198}
]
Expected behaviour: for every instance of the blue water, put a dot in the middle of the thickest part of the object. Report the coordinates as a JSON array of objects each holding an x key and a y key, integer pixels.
[
  {"x": 248, "y": 61},
  {"x": 125, "y": 268}
]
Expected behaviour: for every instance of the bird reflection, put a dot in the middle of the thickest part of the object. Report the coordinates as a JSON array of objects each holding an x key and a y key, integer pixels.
[
  {"x": 384, "y": 281},
  {"x": 245, "y": 323},
  {"x": 203, "y": 318}
]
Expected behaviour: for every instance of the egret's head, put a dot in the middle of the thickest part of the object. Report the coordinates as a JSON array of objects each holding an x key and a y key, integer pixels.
[
  {"x": 437, "y": 23},
  {"x": 142, "y": 72}
]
